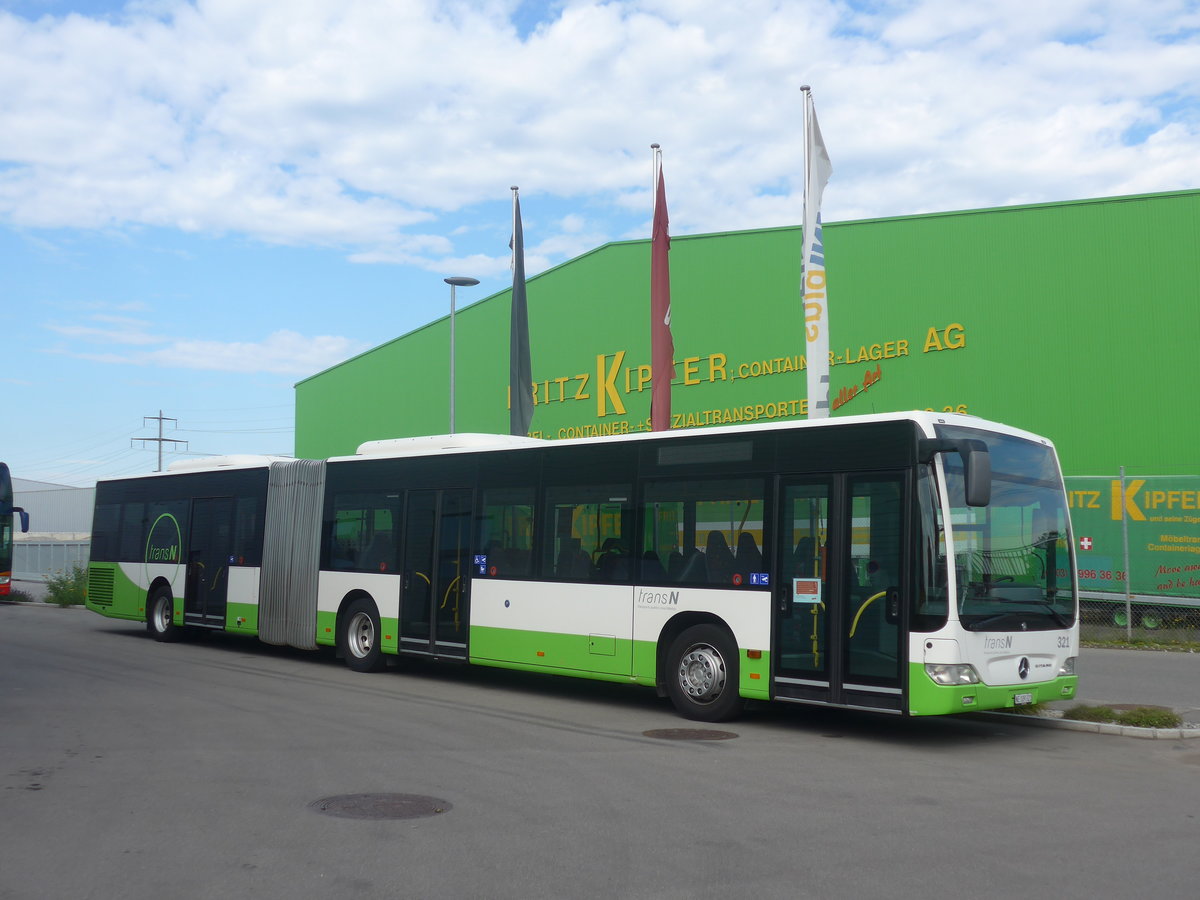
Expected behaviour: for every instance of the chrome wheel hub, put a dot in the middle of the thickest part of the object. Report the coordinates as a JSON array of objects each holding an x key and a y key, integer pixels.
[
  {"x": 361, "y": 635},
  {"x": 702, "y": 673}
]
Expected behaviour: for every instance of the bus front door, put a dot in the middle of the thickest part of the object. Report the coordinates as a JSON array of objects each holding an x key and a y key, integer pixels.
[
  {"x": 436, "y": 567},
  {"x": 210, "y": 545},
  {"x": 841, "y": 591}
]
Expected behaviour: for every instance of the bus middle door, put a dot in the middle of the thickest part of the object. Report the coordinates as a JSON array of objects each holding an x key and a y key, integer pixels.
[
  {"x": 437, "y": 569},
  {"x": 210, "y": 545}
]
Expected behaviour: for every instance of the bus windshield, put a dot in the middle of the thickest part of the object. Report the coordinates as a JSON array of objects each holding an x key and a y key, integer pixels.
[{"x": 1012, "y": 558}]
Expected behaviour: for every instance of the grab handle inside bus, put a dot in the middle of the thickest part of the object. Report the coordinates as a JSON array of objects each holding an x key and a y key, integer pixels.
[{"x": 977, "y": 465}]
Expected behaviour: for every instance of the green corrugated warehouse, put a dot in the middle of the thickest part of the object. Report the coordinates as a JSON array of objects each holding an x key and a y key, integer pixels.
[{"x": 1077, "y": 320}]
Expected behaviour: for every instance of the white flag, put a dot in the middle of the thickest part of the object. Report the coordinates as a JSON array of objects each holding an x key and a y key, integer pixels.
[{"x": 813, "y": 287}]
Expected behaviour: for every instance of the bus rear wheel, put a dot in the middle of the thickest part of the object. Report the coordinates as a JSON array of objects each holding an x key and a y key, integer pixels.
[
  {"x": 358, "y": 636},
  {"x": 161, "y": 619},
  {"x": 702, "y": 674}
]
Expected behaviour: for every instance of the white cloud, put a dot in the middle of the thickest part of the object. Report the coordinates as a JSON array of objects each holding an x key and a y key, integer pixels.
[
  {"x": 348, "y": 123},
  {"x": 282, "y": 352}
]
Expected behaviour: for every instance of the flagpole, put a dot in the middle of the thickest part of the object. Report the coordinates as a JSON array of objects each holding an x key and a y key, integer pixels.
[{"x": 655, "y": 162}]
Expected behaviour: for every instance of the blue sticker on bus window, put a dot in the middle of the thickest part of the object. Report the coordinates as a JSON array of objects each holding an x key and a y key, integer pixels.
[
  {"x": 481, "y": 559},
  {"x": 760, "y": 578}
]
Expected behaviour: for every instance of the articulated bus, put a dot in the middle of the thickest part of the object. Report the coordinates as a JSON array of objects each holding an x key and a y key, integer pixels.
[
  {"x": 909, "y": 563},
  {"x": 7, "y": 512}
]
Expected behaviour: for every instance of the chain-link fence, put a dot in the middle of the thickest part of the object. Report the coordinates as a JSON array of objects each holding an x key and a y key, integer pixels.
[
  {"x": 1137, "y": 556},
  {"x": 1149, "y": 619}
]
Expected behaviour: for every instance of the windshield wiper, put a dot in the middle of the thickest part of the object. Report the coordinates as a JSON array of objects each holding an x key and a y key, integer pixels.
[
  {"x": 987, "y": 620},
  {"x": 1049, "y": 610},
  {"x": 1063, "y": 621}
]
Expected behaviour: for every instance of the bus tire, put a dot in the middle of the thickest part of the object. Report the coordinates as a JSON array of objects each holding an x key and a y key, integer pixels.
[
  {"x": 702, "y": 674},
  {"x": 160, "y": 617},
  {"x": 358, "y": 636}
]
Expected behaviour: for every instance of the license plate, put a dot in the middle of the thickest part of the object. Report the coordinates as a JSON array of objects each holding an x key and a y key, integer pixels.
[{"x": 1022, "y": 699}]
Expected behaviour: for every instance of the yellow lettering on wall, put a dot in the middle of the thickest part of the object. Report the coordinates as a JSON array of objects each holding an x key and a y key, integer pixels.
[
  {"x": 607, "y": 376},
  {"x": 952, "y": 337},
  {"x": 1131, "y": 488}
]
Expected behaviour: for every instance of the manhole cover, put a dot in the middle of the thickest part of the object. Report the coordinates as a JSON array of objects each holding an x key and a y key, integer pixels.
[
  {"x": 689, "y": 734},
  {"x": 380, "y": 806}
]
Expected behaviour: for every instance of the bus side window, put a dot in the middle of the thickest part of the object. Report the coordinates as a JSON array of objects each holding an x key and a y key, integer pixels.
[
  {"x": 363, "y": 534},
  {"x": 506, "y": 532},
  {"x": 586, "y": 534},
  {"x": 691, "y": 529}
]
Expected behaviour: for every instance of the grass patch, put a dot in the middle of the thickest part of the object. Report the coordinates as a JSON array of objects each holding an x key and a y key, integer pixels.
[
  {"x": 1085, "y": 713},
  {"x": 19, "y": 597},
  {"x": 1136, "y": 716},
  {"x": 1149, "y": 717}
]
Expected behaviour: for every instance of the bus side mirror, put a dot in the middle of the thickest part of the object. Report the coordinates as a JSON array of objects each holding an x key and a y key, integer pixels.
[
  {"x": 24, "y": 518},
  {"x": 977, "y": 465}
]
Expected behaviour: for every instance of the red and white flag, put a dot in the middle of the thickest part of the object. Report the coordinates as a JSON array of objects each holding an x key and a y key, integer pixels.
[{"x": 662, "y": 345}]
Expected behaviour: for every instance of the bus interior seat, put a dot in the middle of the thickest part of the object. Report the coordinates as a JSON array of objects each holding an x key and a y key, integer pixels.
[
  {"x": 573, "y": 560},
  {"x": 693, "y": 569},
  {"x": 718, "y": 559},
  {"x": 749, "y": 557},
  {"x": 652, "y": 567},
  {"x": 802, "y": 559},
  {"x": 380, "y": 553}
]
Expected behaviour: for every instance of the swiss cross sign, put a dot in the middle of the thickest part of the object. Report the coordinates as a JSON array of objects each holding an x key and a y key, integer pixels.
[{"x": 1085, "y": 543}]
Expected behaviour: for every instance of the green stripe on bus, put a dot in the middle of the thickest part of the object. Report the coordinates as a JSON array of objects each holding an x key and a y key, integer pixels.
[
  {"x": 241, "y": 618},
  {"x": 122, "y": 598},
  {"x": 595, "y": 656},
  {"x": 326, "y": 628},
  {"x": 579, "y": 653},
  {"x": 925, "y": 698}
]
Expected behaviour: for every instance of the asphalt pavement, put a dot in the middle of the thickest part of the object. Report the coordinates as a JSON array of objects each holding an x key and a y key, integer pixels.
[
  {"x": 1139, "y": 677},
  {"x": 1110, "y": 677}
]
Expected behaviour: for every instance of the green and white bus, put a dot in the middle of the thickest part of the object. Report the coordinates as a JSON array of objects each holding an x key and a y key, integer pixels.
[{"x": 909, "y": 563}]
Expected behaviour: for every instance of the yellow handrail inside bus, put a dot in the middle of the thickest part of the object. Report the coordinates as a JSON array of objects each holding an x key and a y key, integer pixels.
[{"x": 862, "y": 609}]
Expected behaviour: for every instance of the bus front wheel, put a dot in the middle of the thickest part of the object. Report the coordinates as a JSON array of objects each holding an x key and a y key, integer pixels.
[
  {"x": 161, "y": 620},
  {"x": 358, "y": 636},
  {"x": 702, "y": 674}
]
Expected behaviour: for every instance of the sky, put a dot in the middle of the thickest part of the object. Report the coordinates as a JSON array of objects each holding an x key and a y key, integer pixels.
[{"x": 202, "y": 203}]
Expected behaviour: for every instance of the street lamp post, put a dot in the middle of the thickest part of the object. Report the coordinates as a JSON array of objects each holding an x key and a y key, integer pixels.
[{"x": 455, "y": 281}]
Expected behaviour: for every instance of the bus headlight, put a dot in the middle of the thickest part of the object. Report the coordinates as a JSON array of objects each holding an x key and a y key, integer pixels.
[
  {"x": 962, "y": 673},
  {"x": 1068, "y": 668}
]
